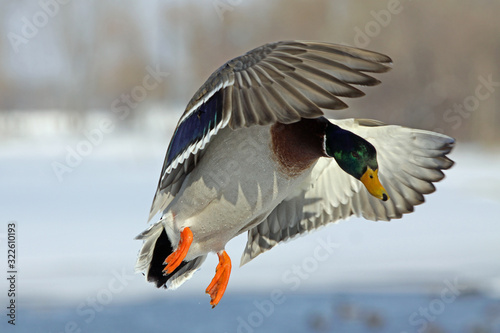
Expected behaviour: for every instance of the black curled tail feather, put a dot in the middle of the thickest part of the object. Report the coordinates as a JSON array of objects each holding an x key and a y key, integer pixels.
[
  {"x": 163, "y": 248},
  {"x": 156, "y": 248}
]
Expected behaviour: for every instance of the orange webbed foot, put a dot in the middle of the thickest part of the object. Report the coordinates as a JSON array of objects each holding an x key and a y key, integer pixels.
[
  {"x": 218, "y": 285},
  {"x": 174, "y": 260}
]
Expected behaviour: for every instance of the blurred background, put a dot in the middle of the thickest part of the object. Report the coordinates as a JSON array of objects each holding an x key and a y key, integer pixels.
[{"x": 90, "y": 92}]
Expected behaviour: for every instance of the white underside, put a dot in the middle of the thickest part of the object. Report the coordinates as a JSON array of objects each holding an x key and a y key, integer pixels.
[{"x": 232, "y": 189}]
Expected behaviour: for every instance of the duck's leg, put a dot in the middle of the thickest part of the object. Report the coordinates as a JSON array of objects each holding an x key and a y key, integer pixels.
[
  {"x": 175, "y": 258},
  {"x": 219, "y": 283}
]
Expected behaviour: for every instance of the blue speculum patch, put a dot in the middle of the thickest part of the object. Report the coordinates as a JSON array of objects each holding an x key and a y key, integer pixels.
[{"x": 195, "y": 127}]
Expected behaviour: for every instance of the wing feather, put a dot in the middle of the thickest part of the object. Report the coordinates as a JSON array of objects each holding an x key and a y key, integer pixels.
[
  {"x": 410, "y": 161},
  {"x": 277, "y": 82}
]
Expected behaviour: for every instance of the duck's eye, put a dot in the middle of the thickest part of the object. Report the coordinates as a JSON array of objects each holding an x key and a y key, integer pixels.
[{"x": 355, "y": 154}]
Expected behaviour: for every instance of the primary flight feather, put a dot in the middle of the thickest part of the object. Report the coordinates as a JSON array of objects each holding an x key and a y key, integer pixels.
[{"x": 253, "y": 153}]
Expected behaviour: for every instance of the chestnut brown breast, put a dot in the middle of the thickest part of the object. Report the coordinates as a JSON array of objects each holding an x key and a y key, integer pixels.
[{"x": 297, "y": 146}]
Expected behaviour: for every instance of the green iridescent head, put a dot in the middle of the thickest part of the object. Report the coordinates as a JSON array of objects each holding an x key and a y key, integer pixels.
[{"x": 356, "y": 156}]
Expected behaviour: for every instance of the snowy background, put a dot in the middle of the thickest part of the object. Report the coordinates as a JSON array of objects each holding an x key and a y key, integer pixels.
[
  {"x": 436, "y": 270},
  {"x": 76, "y": 250}
]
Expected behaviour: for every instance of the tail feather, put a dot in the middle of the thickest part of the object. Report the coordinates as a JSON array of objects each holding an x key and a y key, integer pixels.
[{"x": 156, "y": 248}]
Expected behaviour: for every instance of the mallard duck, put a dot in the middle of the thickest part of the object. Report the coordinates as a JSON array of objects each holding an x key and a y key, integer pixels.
[{"x": 254, "y": 153}]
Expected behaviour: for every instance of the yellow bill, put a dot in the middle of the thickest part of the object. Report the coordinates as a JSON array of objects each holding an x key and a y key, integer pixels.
[{"x": 372, "y": 184}]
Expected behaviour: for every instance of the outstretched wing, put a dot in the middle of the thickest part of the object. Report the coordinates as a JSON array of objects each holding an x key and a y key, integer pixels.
[
  {"x": 409, "y": 161},
  {"x": 277, "y": 82}
]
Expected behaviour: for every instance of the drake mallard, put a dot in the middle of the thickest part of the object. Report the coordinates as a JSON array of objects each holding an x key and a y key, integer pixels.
[{"x": 254, "y": 153}]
